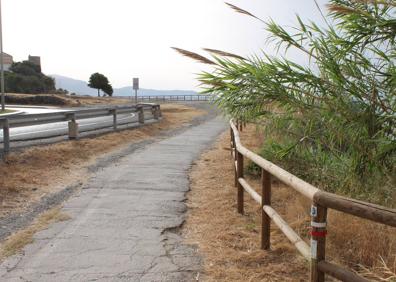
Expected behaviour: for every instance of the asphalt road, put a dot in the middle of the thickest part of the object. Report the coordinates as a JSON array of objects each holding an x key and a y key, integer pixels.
[{"x": 124, "y": 224}]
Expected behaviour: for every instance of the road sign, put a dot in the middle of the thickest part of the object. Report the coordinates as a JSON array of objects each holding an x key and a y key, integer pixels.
[
  {"x": 136, "y": 87},
  {"x": 136, "y": 83}
]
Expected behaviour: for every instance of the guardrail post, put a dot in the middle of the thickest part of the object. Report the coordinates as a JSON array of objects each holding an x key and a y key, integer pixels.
[
  {"x": 155, "y": 111},
  {"x": 6, "y": 137},
  {"x": 265, "y": 201},
  {"x": 318, "y": 241},
  {"x": 141, "y": 114},
  {"x": 240, "y": 175},
  {"x": 73, "y": 127},
  {"x": 114, "y": 113}
]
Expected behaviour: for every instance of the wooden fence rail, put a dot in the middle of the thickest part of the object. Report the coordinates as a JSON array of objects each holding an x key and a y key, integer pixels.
[{"x": 321, "y": 202}]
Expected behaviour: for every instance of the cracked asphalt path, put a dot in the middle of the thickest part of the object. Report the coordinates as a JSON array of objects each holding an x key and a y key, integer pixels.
[{"x": 125, "y": 220}]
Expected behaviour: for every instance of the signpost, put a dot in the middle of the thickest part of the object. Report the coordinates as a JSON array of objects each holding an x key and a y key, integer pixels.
[{"x": 136, "y": 87}]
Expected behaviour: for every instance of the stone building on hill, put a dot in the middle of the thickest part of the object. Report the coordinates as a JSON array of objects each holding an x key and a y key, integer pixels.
[
  {"x": 7, "y": 61},
  {"x": 35, "y": 60}
]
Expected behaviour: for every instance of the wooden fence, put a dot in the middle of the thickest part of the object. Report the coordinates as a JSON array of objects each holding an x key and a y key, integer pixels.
[{"x": 321, "y": 202}]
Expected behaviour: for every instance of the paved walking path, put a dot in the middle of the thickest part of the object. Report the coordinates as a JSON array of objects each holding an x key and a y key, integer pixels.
[{"x": 124, "y": 222}]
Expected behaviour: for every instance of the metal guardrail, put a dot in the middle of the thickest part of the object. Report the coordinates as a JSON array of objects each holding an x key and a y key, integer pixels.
[
  {"x": 187, "y": 98},
  {"x": 72, "y": 117},
  {"x": 321, "y": 201}
]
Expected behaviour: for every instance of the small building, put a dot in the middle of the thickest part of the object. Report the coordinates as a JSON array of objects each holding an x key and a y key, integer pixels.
[
  {"x": 7, "y": 61},
  {"x": 35, "y": 60}
]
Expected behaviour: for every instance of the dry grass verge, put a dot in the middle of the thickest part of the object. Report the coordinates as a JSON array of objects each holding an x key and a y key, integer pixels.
[
  {"x": 230, "y": 243},
  {"x": 32, "y": 173},
  {"x": 17, "y": 241},
  {"x": 62, "y": 100}
]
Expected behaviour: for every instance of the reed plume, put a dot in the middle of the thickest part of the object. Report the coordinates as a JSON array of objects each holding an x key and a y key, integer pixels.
[
  {"x": 341, "y": 9},
  {"x": 224, "y": 54},
  {"x": 194, "y": 56},
  {"x": 242, "y": 11}
]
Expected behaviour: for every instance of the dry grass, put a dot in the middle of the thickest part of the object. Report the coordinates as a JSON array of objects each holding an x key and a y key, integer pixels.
[
  {"x": 368, "y": 247},
  {"x": 13, "y": 244},
  {"x": 62, "y": 100},
  {"x": 32, "y": 173},
  {"x": 230, "y": 243},
  {"x": 91, "y": 101}
]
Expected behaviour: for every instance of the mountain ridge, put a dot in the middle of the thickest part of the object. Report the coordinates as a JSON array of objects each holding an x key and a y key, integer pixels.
[{"x": 80, "y": 87}]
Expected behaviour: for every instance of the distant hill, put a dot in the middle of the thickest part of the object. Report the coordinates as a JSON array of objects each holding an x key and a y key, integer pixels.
[{"x": 80, "y": 87}]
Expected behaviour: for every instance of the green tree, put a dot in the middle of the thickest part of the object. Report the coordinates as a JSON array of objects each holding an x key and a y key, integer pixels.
[
  {"x": 100, "y": 82},
  {"x": 26, "y": 77},
  {"x": 108, "y": 90},
  {"x": 335, "y": 116},
  {"x": 26, "y": 68}
]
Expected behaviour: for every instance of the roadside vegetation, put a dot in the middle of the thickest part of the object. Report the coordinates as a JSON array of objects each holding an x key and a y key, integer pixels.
[
  {"x": 6, "y": 112},
  {"x": 62, "y": 100},
  {"x": 332, "y": 121},
  {"x": 230, "y": 243},
  {"x": 26, "y": 77}
]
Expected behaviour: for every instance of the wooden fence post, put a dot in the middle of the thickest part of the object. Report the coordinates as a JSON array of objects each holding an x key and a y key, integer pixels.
[
  {"x": 318, "y": 241},
  {"x": 235, "y": 161},
  {"x": 6, "y": 137},
  {"x": 240, "y": 175},
  {"x": 265, "y": 201},
  {"x": 231, "y": 140}
]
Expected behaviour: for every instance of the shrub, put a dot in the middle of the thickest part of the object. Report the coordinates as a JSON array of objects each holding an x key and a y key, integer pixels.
[
  {"x": 332, "y": 122},
  {"x": 26, "y": 77}
]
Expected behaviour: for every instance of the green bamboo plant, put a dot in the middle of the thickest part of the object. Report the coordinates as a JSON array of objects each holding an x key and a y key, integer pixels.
[{"x": 337, "y": 112}]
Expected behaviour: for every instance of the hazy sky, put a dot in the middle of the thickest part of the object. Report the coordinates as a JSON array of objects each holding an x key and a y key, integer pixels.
[{"x": 127, "y": 38}]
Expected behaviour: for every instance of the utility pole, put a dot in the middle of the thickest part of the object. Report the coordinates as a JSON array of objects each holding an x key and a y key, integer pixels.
[{"x": 2, "y": 64}]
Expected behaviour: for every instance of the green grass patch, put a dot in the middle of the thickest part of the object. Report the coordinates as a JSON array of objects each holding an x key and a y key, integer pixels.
[{"x": 6, "y": 112}]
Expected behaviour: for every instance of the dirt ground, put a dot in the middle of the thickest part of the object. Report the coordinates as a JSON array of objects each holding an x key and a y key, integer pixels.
[
  {"x": 32, "y": 173},
  {"x": 230, "y": 243}
]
